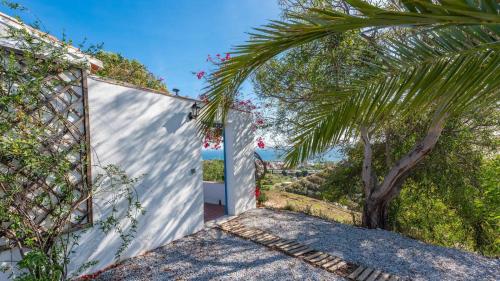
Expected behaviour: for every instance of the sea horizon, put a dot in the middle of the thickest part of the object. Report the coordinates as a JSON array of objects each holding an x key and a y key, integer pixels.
[{"x": 273, "y": 154}]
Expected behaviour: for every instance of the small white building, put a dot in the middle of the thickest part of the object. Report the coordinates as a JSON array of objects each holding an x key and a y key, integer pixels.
[{"x": 148, "y": 133}]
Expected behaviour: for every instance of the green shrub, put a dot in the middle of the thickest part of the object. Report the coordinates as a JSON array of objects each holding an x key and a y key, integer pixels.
[
  {"x": 343, "y": 185},
  {"x": 262, "y": 198},
  {"x": 213, "y": 170},
  {"x": 428, "y": 218},
  {"x": 487, "y": 208},
  {"x": 266, "y": 187},
  {"x": 128, "y": 70}
]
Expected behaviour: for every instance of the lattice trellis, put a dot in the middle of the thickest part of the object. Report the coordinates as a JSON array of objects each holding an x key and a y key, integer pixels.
[{"x": 63, "y": 120}]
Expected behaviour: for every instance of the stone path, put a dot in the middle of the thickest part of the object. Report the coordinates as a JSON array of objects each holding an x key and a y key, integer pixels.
[{"x": 317, "y": 258}]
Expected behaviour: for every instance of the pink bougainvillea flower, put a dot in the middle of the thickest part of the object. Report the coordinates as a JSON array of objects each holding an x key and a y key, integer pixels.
[
  {"x": 200, "y": 74},
  {"x": 203, "y": 98},
  {"x": 260, "y": 143},
  {"x": 226, "y": 58}
]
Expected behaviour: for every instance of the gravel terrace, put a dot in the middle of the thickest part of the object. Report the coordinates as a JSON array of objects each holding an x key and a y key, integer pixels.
[
  {"x": 214, "y": 255},
  {"x": 377, "y": 248}
]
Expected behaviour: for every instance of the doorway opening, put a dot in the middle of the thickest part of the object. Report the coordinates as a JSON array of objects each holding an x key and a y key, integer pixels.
[{"x": 214, "y": 175}]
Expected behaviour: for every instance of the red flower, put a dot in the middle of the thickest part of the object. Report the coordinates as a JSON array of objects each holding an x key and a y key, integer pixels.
[
  {"x": 257, "y": 192},
  {"x": 260, "y": 143}
]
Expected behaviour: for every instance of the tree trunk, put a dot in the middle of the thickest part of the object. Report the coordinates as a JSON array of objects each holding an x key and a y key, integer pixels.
[
  {"x": 378, "y": 196},
  {"x": 376, "y": 210},
  {"x": 375, "y": 213}
]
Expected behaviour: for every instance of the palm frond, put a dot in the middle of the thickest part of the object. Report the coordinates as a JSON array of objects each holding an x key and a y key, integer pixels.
[
  {"x": 452, "y": 67},
  {"x": 452, "y": 70},
  {"x": 278, "y": 36}
]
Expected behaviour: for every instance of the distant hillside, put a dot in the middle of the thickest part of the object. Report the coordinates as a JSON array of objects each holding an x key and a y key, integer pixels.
[{"x": 310, "y": 185}]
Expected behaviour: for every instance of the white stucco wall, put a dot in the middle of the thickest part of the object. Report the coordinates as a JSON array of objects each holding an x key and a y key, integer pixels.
[
  {"x": 146, "y": 134},
  {"x": 213, "y": 192},
  {"x": 240, "y": 166}
]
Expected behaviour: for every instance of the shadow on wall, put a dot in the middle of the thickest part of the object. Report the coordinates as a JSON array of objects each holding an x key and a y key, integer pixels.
[
  {"x": 147, "y": 135},
  {"x": 175, "y": 122}
]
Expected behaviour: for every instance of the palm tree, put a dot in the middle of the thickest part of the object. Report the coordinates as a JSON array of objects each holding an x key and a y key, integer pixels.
[{"x": 449, "y": 66}]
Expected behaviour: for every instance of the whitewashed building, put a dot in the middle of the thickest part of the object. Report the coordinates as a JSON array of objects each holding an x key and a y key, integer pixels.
[{"x": 148, "y": 133}]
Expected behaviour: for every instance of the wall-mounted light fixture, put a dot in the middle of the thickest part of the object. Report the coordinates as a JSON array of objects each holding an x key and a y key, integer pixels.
[{"x": 195, "y": 111}]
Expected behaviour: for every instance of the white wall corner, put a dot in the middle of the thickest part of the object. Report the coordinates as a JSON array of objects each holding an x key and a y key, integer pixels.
[{"x": 240, "y": 167}]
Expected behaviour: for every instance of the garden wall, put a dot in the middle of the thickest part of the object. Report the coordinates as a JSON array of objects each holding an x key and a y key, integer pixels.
[
  {"x": 213, "y": 192},
  {"x": 147, "y": 134},
  {"x": 240, "y": 162}
]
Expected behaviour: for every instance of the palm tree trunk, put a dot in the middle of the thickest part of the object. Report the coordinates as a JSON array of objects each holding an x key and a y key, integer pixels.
[{"x": 378, "y": 196}]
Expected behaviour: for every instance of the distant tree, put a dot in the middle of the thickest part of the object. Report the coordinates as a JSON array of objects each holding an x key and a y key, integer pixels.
[
  {"x": 128, "y": 70},
  {"x": 213, "y": 170}
]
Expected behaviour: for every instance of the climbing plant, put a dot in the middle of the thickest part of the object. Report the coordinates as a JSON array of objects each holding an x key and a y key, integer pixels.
[{"x": 46, "y": 188}]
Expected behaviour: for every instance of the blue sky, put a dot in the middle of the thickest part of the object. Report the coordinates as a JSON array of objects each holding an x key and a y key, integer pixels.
[{"x": 171, "y": 37}]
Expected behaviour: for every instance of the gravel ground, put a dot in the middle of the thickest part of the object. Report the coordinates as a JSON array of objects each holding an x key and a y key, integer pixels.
[
  {"x": 214, "y": 255},
  {"x": 381, "y": 249}
]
